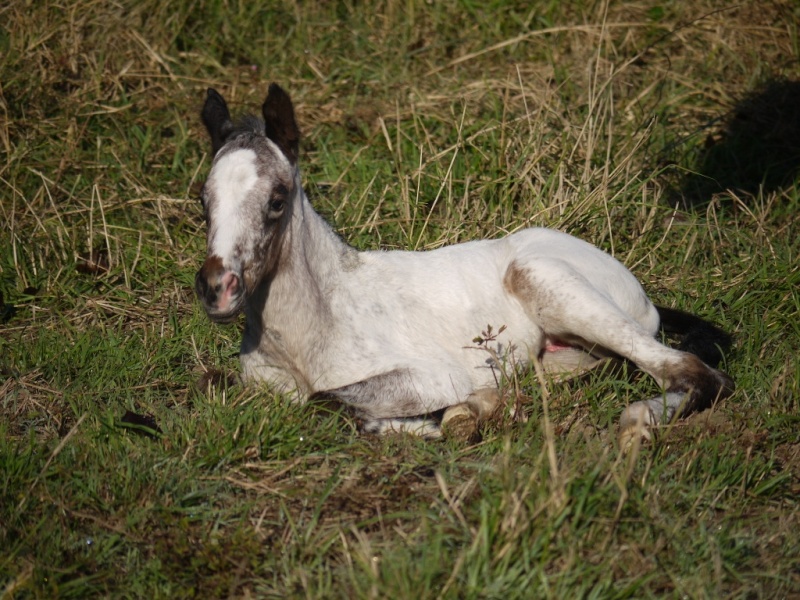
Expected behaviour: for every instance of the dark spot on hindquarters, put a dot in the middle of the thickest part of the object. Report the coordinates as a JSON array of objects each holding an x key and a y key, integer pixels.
[{"x": 516, "y": 281}]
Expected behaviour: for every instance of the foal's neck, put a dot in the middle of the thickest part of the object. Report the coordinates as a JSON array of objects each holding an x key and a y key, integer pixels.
[
  {"x": 312, "y": 259},
  {"x": 316, "y": 253}
]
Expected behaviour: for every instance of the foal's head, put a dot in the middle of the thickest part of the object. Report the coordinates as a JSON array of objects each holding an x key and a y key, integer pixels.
[{"x": 248, "y": 199}]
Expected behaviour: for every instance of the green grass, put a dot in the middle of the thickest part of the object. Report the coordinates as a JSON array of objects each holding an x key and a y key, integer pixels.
[{"x": 665, "y": 133}]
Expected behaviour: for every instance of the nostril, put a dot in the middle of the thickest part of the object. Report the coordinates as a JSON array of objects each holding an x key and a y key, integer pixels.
[
  {"x": 230, "y": 283},
  {"x": 200, "y": 284}
]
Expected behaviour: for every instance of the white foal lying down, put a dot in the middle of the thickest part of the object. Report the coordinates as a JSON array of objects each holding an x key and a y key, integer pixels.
[{"x": 390, "y": 334}]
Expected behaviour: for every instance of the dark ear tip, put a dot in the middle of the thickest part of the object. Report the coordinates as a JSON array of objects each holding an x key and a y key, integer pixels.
[{"x": 276, "y": 91}]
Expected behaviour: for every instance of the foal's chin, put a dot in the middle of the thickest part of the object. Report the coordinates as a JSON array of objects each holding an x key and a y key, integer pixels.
[{"x": 224, "y": 317}]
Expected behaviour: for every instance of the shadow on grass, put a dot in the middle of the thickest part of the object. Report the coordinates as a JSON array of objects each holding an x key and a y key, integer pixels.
[{"x": 758, "y": 148}]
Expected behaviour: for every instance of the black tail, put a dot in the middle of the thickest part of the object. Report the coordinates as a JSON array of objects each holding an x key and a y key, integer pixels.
[{"x": 697, "y": 336}]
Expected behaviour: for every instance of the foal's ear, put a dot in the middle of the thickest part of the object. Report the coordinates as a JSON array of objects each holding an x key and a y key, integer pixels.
[
  {"x": 281, "y": 126},
  {"x": 217, "y": 119}
]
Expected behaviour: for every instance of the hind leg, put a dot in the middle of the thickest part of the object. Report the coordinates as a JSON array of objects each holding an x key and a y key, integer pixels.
[
  {"x": 692, "y": 386},
  {"x": 639, "y": 418},
  {"x": 566, "y": 305}
]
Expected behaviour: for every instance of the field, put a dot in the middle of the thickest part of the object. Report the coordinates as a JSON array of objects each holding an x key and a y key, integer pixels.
[{"x": 667, "y": 133}]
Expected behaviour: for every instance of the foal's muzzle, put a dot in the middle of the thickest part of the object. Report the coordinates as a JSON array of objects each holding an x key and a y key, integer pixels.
[{"x": 220, "y": 290}]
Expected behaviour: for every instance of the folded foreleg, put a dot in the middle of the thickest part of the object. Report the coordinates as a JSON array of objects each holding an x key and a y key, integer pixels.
[{"x": 405, "y": 400}]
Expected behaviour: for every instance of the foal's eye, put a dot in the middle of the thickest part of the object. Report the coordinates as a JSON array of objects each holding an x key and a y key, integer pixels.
[{"x": 277, "y": 201}]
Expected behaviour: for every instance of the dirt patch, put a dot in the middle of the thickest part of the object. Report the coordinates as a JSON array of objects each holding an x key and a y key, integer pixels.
[
  {"x": 336, "y": 492},
  {"x": 788, "y": 457}
]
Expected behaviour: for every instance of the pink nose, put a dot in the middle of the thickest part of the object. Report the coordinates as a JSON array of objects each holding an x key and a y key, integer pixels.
[
  {"x": 217, "y": 287},
  {"x": 229, "y": 283}
]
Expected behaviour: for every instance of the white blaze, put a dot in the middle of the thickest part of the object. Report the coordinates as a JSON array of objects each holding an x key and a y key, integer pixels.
[{"x": 234, "y": 176}]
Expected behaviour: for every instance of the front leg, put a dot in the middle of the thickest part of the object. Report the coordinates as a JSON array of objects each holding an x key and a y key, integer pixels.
[
  {"x": 425, "y": 427},
  {"x": 256, "y": 367},
  {"x": 403, "y": 400},
  {"x": 459, "y": 421}
]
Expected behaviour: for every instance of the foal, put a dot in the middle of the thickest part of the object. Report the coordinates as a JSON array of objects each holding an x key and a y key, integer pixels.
[{"x": 390, "y": 334}]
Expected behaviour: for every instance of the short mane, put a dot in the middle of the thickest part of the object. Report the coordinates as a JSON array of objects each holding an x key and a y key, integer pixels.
[{"x": 248, "y": 124}]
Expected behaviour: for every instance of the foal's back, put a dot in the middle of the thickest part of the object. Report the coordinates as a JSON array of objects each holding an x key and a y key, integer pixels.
[{"x": 396, "y": 307}]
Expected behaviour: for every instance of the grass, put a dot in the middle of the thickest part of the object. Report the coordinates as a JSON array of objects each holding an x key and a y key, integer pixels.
[{"x": 665, "y": 133}]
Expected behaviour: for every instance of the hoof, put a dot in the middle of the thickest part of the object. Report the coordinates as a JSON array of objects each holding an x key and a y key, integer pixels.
[
  {"x": 460, "y": 423},
  {"x": 635, "y": 426},
  {"x": 634, "y": 435}
]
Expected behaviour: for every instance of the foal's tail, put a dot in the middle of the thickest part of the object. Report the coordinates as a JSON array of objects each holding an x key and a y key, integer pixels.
[{"x": 697, "y": 336}]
